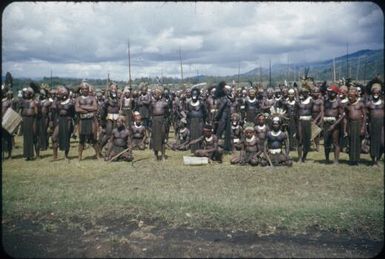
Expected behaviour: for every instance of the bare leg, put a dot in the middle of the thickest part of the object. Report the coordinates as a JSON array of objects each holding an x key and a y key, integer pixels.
[
  {"x": 81, "y": 148},
  {"x": 97, "y": 151}
]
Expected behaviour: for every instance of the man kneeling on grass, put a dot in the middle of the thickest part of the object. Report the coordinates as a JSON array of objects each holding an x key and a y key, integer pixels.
[
  {"x": 120, "y": 143},
  {"x": 209, "y": 144},
  {"x": 277, "y": 144},
  {"x": 250, "y": 153}
]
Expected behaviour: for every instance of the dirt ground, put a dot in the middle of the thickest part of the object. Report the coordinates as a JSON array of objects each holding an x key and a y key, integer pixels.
[{"x": 111, "y": 238}]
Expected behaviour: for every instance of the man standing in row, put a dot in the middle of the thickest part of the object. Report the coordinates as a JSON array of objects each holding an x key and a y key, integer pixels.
[
  {"x": 158, "y": 111},
  {"x": 86, "y": 106}
]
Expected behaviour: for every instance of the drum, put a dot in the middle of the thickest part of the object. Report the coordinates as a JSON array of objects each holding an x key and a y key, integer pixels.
[
  {"x": 11, "y": 120},
  {"x": 315, "y": 131}
]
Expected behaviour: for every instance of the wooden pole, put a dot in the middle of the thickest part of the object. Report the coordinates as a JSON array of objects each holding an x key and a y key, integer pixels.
[
  {"x": 334, "y": 69},
  {"x": 239, "y": 70},
  {"x": 347, "y": 60},
  {"x": 181, "y": 65},
  {"x": 269, "y": 72},
  {"x": 129, "y": 65}
]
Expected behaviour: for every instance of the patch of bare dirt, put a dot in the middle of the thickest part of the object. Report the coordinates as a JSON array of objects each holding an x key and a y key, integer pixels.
[{"x": 111, "y": 238}]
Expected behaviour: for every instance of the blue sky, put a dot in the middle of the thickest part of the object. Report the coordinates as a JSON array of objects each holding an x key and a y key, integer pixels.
[{"x": 89, "y": 39}]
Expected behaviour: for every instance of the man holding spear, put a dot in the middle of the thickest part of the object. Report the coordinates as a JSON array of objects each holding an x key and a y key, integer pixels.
[{"x": 120, "y": 140}]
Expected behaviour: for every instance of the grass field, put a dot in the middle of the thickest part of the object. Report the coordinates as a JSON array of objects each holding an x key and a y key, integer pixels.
[{"x": 262, "y": 200}]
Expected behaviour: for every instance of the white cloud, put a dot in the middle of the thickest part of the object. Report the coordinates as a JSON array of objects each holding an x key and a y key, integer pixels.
[{"x": 91, "y": 38}]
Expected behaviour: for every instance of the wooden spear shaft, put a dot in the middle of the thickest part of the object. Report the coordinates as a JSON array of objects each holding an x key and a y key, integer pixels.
[
  {"x": 181, "y": 66},
  {"x": 129, "y": 65}
]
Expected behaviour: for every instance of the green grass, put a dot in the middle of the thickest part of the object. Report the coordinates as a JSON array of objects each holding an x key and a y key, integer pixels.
[{"x": 224, "y": 196}]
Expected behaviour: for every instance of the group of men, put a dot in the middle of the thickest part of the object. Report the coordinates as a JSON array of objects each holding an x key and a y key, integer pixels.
[{"x": 259, "y": 126}]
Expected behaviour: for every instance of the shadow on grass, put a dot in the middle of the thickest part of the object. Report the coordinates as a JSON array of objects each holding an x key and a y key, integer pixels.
[{"x": 344, "y": 162}]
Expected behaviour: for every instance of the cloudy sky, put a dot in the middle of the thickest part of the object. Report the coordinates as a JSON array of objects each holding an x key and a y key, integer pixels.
[{"x": 89, "y": 40}]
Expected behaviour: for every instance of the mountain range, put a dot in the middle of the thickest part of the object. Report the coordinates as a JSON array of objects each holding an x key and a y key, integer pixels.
[{"x": 360, "y": 65}]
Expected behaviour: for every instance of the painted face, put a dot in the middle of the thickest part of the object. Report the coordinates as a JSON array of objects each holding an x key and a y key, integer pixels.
[
  {"x": 275, "y": 126},
  {"x": 332, "y": 95},
  {"x": 157, "y": 95},
  {"x": 252, "y": 94},
  {"x": 316, "y": 93},
  {"x": 42, "y": 95},
  {"x": 249, "y": 133},
  {"x": 343, "y": 93},
  {"x": 352, "y": 96},
  {"x": 261, "y": 120},
  {"x": 85, "y": 91},
  {"x": 207, "y": 133},
  {"x": 304, "y": 94},
  {"x": 113, "y": 94},
  {"x": 194, "y": 96},
  {"x": 119, "y": 123},
  {"x": 376, "y": 94},
  {"x": 234, "y": 120}
]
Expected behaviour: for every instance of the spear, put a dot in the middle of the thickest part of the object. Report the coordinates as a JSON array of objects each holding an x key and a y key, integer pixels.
[
  {"x": 51, "y": 79},
  {"x": 239, "y": 70},
  {"x": 334, "y": 70},
  {"x": 347, "y": 60},
  {"x": 129, "y": 65},
  {"x": 270, "y": 72},
  {"x": 181, "y": 66},
  {"x": 108, "y": 81}
]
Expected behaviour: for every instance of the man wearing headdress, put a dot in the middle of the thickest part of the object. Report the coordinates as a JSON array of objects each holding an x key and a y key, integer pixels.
[
  {"x": 291, "y": 123},
  {"x": 355, "y": 125},
  {"x": 222, "y": 118},
  {"x": 333, "y": 115},
  {"x": 120, "y": 140},
  {"x": 344, "y": 101},
  {"x": 178, "y": 111},
  {"x": 126, "y": 106},
  {"x": 139, "y": 133},
  {"x": 209, "y": 145},
  {"x": 65, "y": 113},
  {"x": 267, "y": 103},
  {"x": 375, "y": 108},
  {"x": 143, "y": 102},
  {"x": 236, "y": 131},
  {"x": 305, "y": 108},
  {"x": 276, "y": 144},
  {"x": 317, "y": 112},
  {"x": 7, "y": 138},
  {"x": 261, "y": 129},
  {"x": 111, "y": 108},
  {"x": 249, "y": 151},
  {"x": 211, "y": 106},
  {"x": 183, "y": 136},
  {"x": 166, "y": 96},
  {"x": 278, "y": 96},
  {"x": 196, "y": 117},
  {"x": 252, "y": 106},
  {"x": 158, "y": 111},
  {"x": 29, "y": 111},
  {"x": 86, "y": 106},
  {"x": 44, "y": 116}
]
